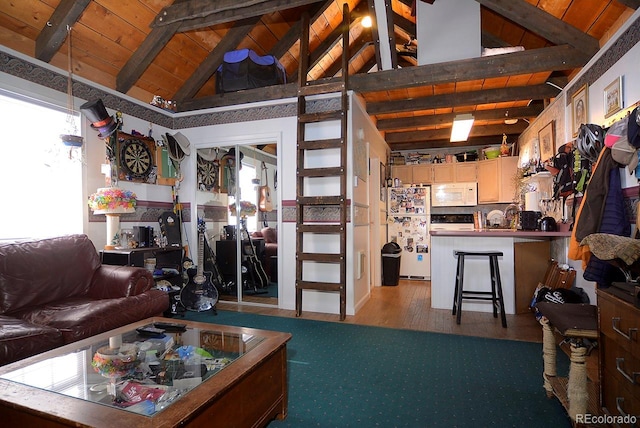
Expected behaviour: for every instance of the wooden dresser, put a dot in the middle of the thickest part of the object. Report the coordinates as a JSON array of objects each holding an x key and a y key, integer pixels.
[{"x": 618, "y": 323}]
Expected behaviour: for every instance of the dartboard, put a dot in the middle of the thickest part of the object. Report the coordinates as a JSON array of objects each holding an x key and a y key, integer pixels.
[
  {"x": 136, "y": 158},
  {"x": 207, "y": 173}
]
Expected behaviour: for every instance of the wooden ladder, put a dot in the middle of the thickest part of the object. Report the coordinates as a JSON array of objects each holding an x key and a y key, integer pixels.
[{"x": 306, "y": 198}]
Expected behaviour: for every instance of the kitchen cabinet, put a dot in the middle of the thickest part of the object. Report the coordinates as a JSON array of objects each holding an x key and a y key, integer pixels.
[
  {"x": 443, "y": 173},
  {"x": 496, "y": 180},
  {"x": 531, "y": 260},
  {"x": 404, "y": 173},
  {"x": 466, "y": 172},
  {"x": 423, "y": 174},
  {"x": 413, "y": 174}
]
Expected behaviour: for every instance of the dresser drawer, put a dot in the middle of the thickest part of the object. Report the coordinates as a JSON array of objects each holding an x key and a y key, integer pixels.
[
  {"x": 619, "y": 321},
  {"x": 617, "y": 399},
  {"x": 621, "y": 365}
]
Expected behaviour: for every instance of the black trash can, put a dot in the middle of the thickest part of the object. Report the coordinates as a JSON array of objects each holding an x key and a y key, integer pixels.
[{"x": 391, "y": 263}]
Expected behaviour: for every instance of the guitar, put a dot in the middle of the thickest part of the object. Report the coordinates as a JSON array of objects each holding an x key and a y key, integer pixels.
[
  {"x": 199, "y": 294},
  {"x": 253, "y": 265},
  {"x": 265, "y": 204}
]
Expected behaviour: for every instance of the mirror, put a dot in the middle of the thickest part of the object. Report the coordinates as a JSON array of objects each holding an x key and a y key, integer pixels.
[{"x": 231, "y": 180}]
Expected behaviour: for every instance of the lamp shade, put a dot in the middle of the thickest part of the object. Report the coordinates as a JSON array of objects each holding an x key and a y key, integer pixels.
[{"x": 462, "y": 124}]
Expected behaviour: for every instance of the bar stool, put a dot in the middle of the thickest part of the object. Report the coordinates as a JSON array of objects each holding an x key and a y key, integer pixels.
[{"x": 494, "y": 296}]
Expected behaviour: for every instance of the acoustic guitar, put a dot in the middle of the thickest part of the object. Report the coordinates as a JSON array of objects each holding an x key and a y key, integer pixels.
[
  {"x": 200, "y": 294},
  {"x": 265, "y": 204}
]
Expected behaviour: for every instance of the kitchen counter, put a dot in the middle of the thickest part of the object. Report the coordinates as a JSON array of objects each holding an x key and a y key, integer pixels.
[
  {"x": 443, "y": 264},
  {"x": 501, "y": 233}
]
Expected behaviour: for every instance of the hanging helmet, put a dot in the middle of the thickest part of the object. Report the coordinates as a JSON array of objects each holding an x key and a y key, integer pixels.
[{"x": 590, "y": 141}]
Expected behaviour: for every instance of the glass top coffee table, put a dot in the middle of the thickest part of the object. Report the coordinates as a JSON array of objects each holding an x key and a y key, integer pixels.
[{"x": 185, "y": 374}]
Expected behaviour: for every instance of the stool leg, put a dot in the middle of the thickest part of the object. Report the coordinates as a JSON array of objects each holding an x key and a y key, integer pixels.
[
  {"x": 492, "y": 275},
  {"x": 456, "y": 288},
  {"x": 460, "y": 288},
  {"x": 503, "y": 316}
]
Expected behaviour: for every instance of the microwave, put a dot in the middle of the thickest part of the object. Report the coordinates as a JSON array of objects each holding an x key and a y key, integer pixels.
[{"x": 454, "y": 194}]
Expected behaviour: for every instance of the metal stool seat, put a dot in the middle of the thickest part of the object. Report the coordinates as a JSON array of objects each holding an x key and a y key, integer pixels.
[{"x": 494, "y": 296}]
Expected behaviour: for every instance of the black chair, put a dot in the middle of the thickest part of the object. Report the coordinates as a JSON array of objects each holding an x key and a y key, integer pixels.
[{"x": 494, "y": 296}]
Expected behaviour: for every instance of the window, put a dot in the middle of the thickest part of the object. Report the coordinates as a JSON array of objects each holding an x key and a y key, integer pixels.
[{"x": 41, "y": 177}]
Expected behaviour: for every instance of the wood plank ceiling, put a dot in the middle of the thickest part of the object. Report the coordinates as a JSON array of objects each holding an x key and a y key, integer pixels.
[{"x": 172, "y": 48}]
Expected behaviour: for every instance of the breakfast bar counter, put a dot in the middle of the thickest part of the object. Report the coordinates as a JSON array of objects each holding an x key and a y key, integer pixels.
[{"x": 525, "y": 259}]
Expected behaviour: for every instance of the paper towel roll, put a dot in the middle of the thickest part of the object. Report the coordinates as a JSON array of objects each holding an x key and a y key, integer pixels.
[{"x": 531, "y": 201}]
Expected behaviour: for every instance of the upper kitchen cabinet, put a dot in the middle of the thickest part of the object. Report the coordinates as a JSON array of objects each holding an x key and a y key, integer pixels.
[
  {"x": 466, "y": 172},
  {"x": 413, "y": 174},
  {"x": 404, "y": 173},
  {"x": 423, "y": 174},
  {"x": 496, "y": 180},
  {"x": 443, "y": 173}
]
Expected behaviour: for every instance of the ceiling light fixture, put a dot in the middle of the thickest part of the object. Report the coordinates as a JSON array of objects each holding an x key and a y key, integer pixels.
[
  {"x": 367, "y": 22},
  {"x": 462, "y": 124}
]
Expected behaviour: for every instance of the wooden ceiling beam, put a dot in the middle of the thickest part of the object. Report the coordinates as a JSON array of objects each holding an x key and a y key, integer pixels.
[
  {"x": 208, "y": 67},
  {"x": 441, "y": 119},
  {"x": 632, "y": 4},
  {"x": 293, "y": 34},
  {"x": 205, "y": 13},
  {"x": 55, "y": 31},
  {"x": 446, "y": 144},
  {"x": 445, "y": 133},
  {"x": 544, "y": 24},
  {"x": 144, "y": 56},
  {"x": 523, "y": 62},
  {"x": 269, "y": 93},
  {"x": 486, "y": 96},
  {"x": 357, "y": 46}
]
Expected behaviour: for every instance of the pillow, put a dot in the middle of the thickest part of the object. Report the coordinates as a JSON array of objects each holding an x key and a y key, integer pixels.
[{"x": 270, "y": 235}]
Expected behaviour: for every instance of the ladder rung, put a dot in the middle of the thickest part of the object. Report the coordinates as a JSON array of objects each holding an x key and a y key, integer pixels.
[
  {"x": 320, "y": 116},
  {"x": 333, "y": 143},
  {"x": 320, "y": 200},
  {"x": 322, "y": 88},
  {"x": 320, "y": 257},
  {"x": 319, "y": 228},
  {"x": 322, "y": 286},
  {"x": 321, "y": 172}
]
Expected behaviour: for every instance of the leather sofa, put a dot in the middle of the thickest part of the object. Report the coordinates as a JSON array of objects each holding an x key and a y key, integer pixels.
[{"x": 56, "y": 291}]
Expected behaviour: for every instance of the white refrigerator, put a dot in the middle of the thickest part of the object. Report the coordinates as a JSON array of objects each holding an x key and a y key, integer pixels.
[{"x": 408, "y": 226}]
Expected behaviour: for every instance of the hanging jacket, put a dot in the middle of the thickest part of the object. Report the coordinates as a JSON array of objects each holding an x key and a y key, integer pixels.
[{"x": 614, "y": 221}]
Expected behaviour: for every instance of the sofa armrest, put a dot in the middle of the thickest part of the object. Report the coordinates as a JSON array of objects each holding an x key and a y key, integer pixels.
[{"x": 119, "y": 281}]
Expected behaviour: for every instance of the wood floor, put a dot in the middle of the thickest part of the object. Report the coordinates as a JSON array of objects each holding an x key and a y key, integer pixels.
[{"x": 408, "y": 306}]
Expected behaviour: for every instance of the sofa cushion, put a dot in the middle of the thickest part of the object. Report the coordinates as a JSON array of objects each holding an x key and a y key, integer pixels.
[
  {"x": 20, "y": 339},
  {"x": 38, "y": 272},
  {"x": 81, "y": 317}
]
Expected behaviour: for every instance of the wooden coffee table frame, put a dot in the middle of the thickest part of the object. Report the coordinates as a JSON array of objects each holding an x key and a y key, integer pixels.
[{"x": 250, "y": 392}]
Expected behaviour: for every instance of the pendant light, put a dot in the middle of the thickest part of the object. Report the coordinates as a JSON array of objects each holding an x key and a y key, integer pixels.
[{"x": 72, "y": 139}]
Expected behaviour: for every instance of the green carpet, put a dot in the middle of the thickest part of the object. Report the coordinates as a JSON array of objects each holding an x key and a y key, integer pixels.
[{"x": 344, "y": 375}]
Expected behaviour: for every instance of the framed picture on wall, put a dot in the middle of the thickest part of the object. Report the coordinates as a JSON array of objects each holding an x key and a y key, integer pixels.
[
  {"x": 579, "y": 109},
  {"x": 613, "y": 97},
  {"x": 547, "y": 141}
]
